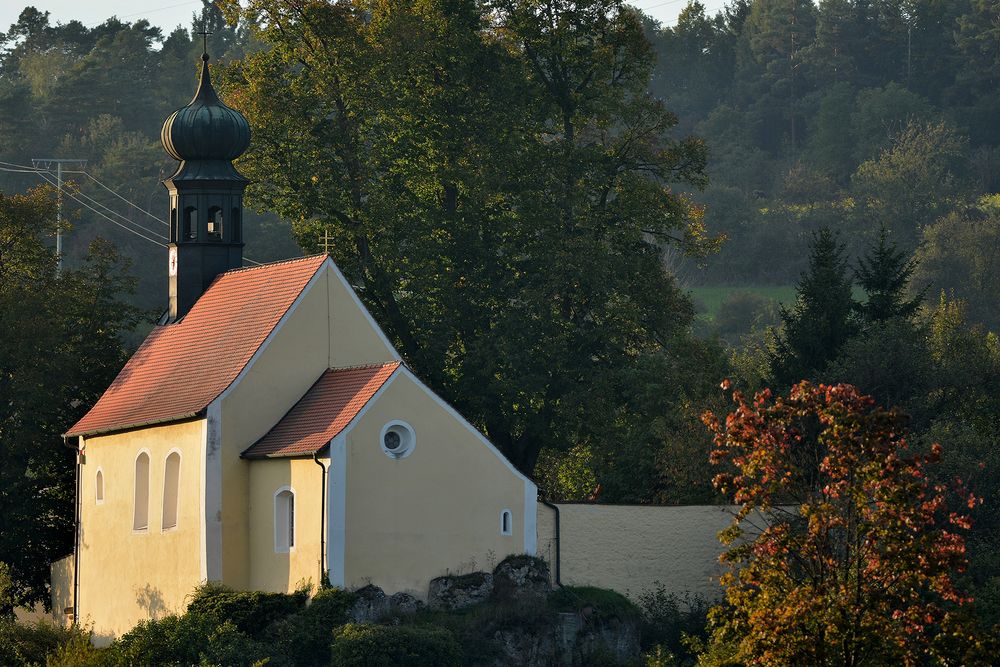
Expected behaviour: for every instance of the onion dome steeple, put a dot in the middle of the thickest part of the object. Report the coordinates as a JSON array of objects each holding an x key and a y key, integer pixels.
[
  {"x": 205, "y": 129},
  {"x": 206, "y": 193}
]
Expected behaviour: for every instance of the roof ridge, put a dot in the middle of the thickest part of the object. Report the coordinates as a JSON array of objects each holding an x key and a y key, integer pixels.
[
  {"x": 290, "y": 260},
  {"x": 383, "y": 364}
]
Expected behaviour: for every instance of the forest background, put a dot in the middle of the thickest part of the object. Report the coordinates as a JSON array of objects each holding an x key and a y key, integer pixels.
[{"x": 836, "y": 168}]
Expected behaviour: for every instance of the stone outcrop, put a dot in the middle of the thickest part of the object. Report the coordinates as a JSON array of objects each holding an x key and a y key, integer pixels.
[
  {"x": 521, "y": 578},
  {"x": 452, "y": 592}
]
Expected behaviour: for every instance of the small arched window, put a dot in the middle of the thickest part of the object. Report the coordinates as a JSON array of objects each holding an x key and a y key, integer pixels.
[
  {"x": 284, "y": 520},
  {"x": 99, "y": 487},
  {"x": 140, "y": 504},
  {"x": 190, "y": 222},
  {"x": 506, "y": 523},
  {"x": 171, "y": 497},
  {"x": 215, "y": 223}
]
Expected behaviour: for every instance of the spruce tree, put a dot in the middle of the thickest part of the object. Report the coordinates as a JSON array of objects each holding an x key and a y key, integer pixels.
[
  {"x": 822, "y": 319},
  {"x": 884, "y": 273}
]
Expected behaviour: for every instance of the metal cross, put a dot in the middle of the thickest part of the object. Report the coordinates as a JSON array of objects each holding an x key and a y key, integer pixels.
[
  {"x": 205, "y": 33},
  {"x": 327, "y": 241}
]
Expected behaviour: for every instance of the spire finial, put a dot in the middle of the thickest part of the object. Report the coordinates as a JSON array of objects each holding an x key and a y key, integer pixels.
[{"x": 205, "y": 32}]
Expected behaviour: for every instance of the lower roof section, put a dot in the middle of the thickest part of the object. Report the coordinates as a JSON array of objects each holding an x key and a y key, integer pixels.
[{"x": 335, "y": 399}]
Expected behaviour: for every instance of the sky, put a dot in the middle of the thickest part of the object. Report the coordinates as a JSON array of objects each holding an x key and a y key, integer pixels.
[{"x": 170, "y": 13}]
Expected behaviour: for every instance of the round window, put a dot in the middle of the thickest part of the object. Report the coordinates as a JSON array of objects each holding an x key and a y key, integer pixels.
[{"x": 398, "y": 439}]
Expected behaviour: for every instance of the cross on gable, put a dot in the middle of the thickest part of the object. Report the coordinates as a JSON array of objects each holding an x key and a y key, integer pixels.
[{"x": 327, "y": 241}]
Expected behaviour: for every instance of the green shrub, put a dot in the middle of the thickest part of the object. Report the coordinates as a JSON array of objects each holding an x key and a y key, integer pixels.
[
  {"x": 668, "y": 618},
  {"x": 250, "y": 611},
  {"x": 77, "y": 652},
  {"x": 402, "y": 646},
  {"x": 603, "y": 604},
  {"x": 165, "y": 641},
  {"x": 227, "y": 646},
  {"x": 303, "y": 639},
  {"x": 26, "y": 643}
]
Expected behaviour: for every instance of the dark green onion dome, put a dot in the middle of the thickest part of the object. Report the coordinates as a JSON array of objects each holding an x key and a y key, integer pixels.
[{"x": 206, "y": 129}]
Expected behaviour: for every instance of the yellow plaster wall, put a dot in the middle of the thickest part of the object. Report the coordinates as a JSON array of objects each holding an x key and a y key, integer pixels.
[
  {"x": 354, "y": 341},
  {"x": 284, "y": 572},
  {"x": 631, "y": 548},
  {"x": 547, "y": 538},
  {"x": 438, "y": 510},
  {"x": 326, "y": 329},
  {"x": 61, "y": 590},
  {"x": 127, "y": 576}
]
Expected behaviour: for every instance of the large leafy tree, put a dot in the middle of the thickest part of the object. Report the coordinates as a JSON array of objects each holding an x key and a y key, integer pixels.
[
  {"x": 497, "y": 184},
  {"x": 61, "y": 349},
  {"x": 843, "y": 552}
]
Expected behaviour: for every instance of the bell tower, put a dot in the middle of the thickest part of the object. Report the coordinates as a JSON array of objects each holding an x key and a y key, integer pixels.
[{"x": 206, "y": 193}]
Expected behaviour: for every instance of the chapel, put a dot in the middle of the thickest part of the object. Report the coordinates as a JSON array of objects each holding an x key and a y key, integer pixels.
[{"x": 266, "y": 434}]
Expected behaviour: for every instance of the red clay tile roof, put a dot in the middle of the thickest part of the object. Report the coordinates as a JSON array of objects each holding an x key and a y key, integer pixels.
[
  {"x": 181, "y": 368},
  {"x": 326, "y": 409}
]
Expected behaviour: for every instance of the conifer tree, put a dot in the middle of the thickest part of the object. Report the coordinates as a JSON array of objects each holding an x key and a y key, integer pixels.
[
  {"x": 822, "y": 319},
  {"x": 884, "y": 273}
]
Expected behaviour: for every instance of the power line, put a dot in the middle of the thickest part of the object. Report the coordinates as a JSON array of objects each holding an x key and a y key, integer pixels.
[
  {"x": 136, "y": 206},
  {"x": 111, "y": 220},
  {"x": 44, "y": 173}
]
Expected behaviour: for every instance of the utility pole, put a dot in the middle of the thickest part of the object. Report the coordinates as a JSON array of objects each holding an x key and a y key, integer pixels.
[{"x": 46, "y": 163}]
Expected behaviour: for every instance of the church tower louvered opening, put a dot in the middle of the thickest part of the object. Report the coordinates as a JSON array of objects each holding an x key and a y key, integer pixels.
[{"x": 206, "y": 193}]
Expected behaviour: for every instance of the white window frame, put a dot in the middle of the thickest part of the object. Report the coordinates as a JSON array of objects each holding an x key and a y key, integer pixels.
[
  {"x": 409, "y": 444},
  {"x": 99, "y": 486},
  {"x": 284, "y": 536},
  {"x": 509, "y": 528},
  {"x": 135, "y": 490},
  {"x": 177, "y": 491}
]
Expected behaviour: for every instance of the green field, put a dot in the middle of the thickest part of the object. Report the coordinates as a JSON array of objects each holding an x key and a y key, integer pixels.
[{"x": 708, "y": 300}]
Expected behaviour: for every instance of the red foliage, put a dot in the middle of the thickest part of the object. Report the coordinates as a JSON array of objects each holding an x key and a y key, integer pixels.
[{"x": 843, "y": 551}]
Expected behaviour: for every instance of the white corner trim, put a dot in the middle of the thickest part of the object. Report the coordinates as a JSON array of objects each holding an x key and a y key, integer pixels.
[
  {"x": 464, "y": 422},
  {"x": 202, "y": 502},
  {"x": 530, "y": 517},
  {"x": 337, "y": 510},
  {"x": 211, "y": 489},
  {"x": 364, "y": 311}
]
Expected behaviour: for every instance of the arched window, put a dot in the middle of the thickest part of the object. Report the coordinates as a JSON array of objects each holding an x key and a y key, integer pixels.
[
  {"x": 99, "y": 487},
  {"x": 284, "y": 520},
  {"x": 215, "y": 222},
  {"x": 140, "y": 505},
  {"x": 171, "y": 480},
  {"x": 173, "y": 222},
  {"x": 506, "y": 523}
]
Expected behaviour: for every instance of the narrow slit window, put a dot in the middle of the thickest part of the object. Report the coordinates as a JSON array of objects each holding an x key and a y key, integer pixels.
[
  {"x": 99, "y": 486},
  {"x": 171, "y": 497},
  {"x": 284, "y": 520},
  {"x": 173, "y": 223},
  {"x": 140, "y": 506},
  {"x": 506, "y": 523}
]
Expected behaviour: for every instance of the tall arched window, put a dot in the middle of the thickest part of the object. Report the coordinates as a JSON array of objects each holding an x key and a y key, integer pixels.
[
  {"x": 190, "y": 222},
  {"x": 140, "y": 504},
  {"x": 99, "y": 487},
  {"x": 506, "y": 523},
  {"x": 171, "y": 480},
  {"x": 284, "y": 520}
]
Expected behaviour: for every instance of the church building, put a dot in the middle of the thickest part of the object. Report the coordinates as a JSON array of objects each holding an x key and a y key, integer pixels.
[{"x": 267, "y": 434}]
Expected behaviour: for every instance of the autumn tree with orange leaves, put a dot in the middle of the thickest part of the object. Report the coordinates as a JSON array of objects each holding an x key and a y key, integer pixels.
[{"x": 843, "y": 551}]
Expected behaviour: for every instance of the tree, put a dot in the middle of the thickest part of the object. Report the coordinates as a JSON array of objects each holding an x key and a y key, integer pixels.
[
  {"x": 884, "y": 274},
  {"x": 842, "y": 552},
  {"x": 497, "y": 184},
  {"x": 821, "y": 320},
  {"x": 61, "y": 349}
]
